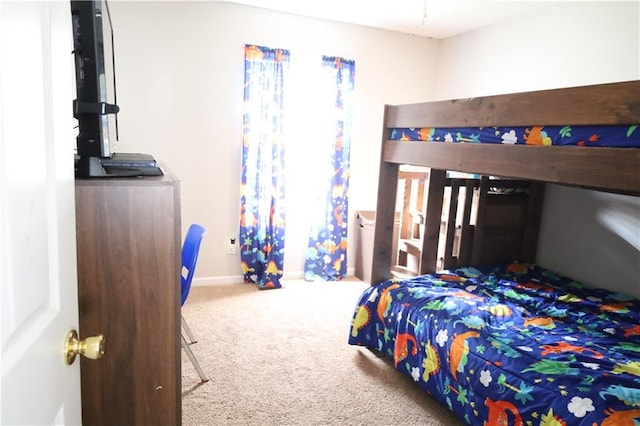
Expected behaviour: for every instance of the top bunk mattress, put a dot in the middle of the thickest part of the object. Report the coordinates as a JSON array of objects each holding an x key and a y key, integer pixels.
[{"x": 627, "y": 136}]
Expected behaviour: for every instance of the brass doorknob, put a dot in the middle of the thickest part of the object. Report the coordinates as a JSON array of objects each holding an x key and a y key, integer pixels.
[{"x": 91, "y": 347}]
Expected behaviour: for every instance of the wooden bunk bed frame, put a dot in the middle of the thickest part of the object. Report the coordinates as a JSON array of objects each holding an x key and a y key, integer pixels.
[{"x": 606, "y": 169}]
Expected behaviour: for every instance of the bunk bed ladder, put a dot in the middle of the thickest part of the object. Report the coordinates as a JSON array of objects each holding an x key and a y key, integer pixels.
[
  {"x": 459, "y": 234},
  {"x": 412, "y": 223}
]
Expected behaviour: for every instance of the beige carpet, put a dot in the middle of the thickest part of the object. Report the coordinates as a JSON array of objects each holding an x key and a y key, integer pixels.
[{"x": 280, "y": 357}]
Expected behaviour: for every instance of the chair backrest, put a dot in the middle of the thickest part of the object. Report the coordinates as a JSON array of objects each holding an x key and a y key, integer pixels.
[{"x": 190, "y": 250}]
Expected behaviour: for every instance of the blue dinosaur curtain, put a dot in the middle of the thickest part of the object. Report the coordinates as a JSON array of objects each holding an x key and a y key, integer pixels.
[
  {"x": 262, "y": 214},
  {"x": 326, "y": 257}
]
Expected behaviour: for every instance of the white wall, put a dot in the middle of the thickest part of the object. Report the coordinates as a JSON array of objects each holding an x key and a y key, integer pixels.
[
  {"x": 565, "y": 44},
  {"x": 590, "y": 236},
  {"x": 180, "y": 70}
]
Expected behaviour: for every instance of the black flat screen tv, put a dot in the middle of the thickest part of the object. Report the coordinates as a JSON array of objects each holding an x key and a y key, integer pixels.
[
  {"x": 90, "y": 107},
  {"x": 94, "y": 156}
]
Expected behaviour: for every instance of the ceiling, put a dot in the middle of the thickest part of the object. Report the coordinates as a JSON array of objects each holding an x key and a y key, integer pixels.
[{"x": 428, "y": 18}]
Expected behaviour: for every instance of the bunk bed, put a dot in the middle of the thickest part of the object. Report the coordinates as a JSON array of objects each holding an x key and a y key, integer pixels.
[{"x": 494, "y": 336}]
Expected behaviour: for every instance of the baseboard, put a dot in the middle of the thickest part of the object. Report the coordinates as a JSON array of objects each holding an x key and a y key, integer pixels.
[
  {"x": 239, "y": 279},
  {"x": 229, "y": 279}
]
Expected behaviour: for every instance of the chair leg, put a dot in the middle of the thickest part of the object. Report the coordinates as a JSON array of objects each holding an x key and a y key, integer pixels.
[
  {"x": 192, "y": 339},
  {"x": 193, "y": 359}
]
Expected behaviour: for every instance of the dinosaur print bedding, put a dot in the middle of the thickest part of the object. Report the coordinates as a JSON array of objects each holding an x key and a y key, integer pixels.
[
  {"x": 589, "y": 136},
  {"x": 515, "y": 344}
]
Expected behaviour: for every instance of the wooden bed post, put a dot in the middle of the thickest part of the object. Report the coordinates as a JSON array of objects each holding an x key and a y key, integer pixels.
[
  {"x": 435, "y": 194},
  {"x": 384, "y": 222},
  {"x": 385, "y": 216}
]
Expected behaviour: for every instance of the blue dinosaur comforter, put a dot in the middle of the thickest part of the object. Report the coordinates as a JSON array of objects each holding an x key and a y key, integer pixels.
[{"x": 516, "y": 344}]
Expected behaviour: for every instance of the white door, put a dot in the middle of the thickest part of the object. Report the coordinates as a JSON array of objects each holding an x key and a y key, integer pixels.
[{"x": 37, "y": 214}]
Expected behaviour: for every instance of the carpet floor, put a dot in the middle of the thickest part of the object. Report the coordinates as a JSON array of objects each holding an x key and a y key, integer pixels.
[{"x": 280, "y": 357}]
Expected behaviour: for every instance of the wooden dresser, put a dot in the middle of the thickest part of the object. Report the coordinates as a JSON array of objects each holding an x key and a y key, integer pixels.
[{"x": 129, "y": 261}]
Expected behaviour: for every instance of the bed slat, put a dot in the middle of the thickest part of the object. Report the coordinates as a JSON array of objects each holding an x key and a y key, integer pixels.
[
  {"x": 479, "y": 227},
  {"x": 466, "y": 233},
  {"x": 450, "y": 261}
]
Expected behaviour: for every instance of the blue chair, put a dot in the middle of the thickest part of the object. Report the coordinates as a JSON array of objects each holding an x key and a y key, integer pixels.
[{"x": 190, "y": 250}]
